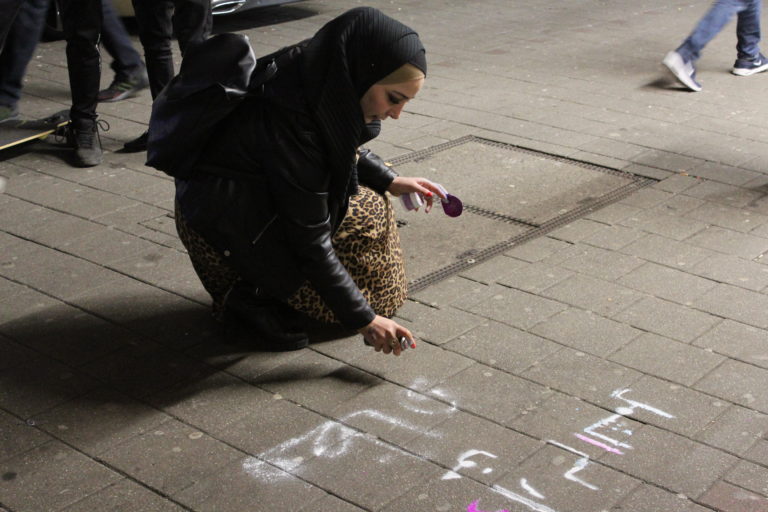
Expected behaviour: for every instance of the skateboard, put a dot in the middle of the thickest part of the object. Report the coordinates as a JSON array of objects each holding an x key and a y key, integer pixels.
[{"x": 16, "y": 131}]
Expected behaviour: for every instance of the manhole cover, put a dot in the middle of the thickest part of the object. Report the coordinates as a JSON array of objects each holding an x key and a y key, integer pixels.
[{"x": 511, "y": 194}]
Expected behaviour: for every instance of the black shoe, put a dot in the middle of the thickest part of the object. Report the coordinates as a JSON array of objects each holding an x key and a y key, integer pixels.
[
  {"x": 86, "y": 142},
  {"x": 137, "y": 144},
  {"x": 269, "y": 323},
  {"x": 123, "y": 88}
]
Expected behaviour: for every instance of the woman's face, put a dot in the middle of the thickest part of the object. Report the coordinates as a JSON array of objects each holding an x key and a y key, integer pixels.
[{"x": 383, "y": 101}]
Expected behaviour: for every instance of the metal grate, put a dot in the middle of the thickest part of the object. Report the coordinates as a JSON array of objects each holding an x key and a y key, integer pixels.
[{"x": 534, "y": 230}]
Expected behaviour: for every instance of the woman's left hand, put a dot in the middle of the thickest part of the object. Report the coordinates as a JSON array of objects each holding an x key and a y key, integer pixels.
[{"x": 402, "y": 185}]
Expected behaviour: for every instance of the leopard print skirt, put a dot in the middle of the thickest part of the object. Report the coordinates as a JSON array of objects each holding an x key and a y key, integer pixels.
[{"x": 367, "y": 244}]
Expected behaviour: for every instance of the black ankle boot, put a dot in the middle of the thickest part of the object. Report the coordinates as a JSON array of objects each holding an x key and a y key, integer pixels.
[{"x": 271, "y": 324}]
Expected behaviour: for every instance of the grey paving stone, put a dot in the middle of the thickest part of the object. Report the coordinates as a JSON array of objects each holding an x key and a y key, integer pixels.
[
  {"x": 736, "y": 430},
  {"x": 738, "y": 341},
  {"x": 602, "y": 297},
  {"x": 285, "y": 434},
  {"x": 145, "y": 368},
  {"x": 667, "y": 319},
  {"x": 569, "y": 421},
  {"x": 250, "y": 484},
  {"x": 676, "y": 183},
  {"x": 419, "y": 369},
  {"x": 671, "y": 226},
  {"x": 14, "y": 354},
  {"x": 648, "y": 498},
  {"x": 579, "y": 374},
  {"x": 517, "y": 308},
  {"x": 171, "y": 457},
  {"x": 372, "y": 461},
  {"x": 398, "y": 414},
  {"x": 758, "y": 452},
  {"x": 503, "y": 347},
  {"x": 212, "y": 402},
  {"x": 489, "y": 271},
  {"x": 575, "y": 231},
  {"x": 666, "y": 251},
  {"x": 738, "y": 382},
  {"x": 332, "y": 382},
  {"x": 18, "y": 436},
  {"x": 534, "y": 277},
  {"x": 473, "y": 447},
  {"x": 437, "y": 495},
  {"x": 438, "y": 325},
  {"x": 590, "y": 487},
  {"x": 124, "y": 495},
  {"x": 600, "y": 263},
  {"x": 614, "y": 237},
  {"x": 477, "y": 389},
  {"x": 50, "y": 477},
  {"x": 40, "y": 384},
  {"x": 734, "y": 270},
  {"x": 750, "y": 476},
  {"x": 729, "y": 498},
  {"x": 671, "y": 406},
  {"x": 646, "y": 198},
  {"x": 67, "y": 334},
  {"x": 728, "y": 217},
  {"x": 537, "y": 249},
  {"x": 736, "y": 304},
  {"x": 585, "y": 331},
  {"x": 105, "y": 246},
  {"x": 728, "y": 241},
  {"x": 97, "y": 421},
  {"x": 667, "y": 460},
  {"x": 51, "y": 227},
  {"x": 723, "y": 194},
  {"x": 613, "y": 213},
  {"x": 56, "y": 273},
  {"x": 240, "y": 360},
  {"x": 667, "y": 359},
  {"x": 667, "y": 283},
  {"x": 451, "y": 290}
]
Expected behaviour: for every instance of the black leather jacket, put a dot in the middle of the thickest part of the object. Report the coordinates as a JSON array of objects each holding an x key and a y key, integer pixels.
[{"x": 261, "y": 196}]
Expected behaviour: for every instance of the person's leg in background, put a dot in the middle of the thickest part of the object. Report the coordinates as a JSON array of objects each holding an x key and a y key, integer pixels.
[
  {"x": 20, "y": 45},
  {"x": 130, "y": 72},
  {"x": 82, "y": 28},
  {"x": 154, "y": 18},
  {"x": 8, "y": 11},
  {"x": 749, "y": 60},
  {"x": 191, "y": 20},
  {"x": 681, "y": 61}
]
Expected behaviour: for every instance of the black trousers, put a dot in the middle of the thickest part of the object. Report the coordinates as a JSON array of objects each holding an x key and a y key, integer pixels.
[
  {"x": 82, "y": 21},
  {"x": 159, "y": 20}
]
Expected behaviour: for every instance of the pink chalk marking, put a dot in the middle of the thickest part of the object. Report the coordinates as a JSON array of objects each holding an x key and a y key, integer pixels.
[
  {"x": 473, "y": 507},
  {"x": 599, "y": 444}
]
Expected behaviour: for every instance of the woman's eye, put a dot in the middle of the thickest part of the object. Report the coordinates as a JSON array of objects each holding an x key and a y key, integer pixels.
[{"x": 394, "y": 99}]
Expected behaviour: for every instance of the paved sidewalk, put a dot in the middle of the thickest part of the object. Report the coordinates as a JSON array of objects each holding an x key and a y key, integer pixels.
[{"x": 616, "y": 363}]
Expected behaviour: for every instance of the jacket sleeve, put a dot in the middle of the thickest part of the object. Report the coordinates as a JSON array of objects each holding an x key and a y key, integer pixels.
[
  {"x": 299, "y": 182},
  {"x": 373, "y": 171}
]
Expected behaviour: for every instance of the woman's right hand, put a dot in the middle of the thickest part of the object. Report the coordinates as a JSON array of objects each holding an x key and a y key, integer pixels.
[{"x": 384, "y": 335}]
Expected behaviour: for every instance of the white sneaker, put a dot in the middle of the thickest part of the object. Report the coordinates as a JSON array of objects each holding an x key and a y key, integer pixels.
[{"x": 683, "y": 71}]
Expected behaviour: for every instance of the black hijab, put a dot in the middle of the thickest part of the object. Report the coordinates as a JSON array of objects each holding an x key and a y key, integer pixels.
[{"x": 341, "y": 62}]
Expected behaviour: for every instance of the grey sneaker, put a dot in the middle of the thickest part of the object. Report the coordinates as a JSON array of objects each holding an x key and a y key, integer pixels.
[
  {"x": 746, "y": 67},
  {"x": 682, "y": 70},
  {"x": 8, "y": 113},
  {"x": 124, "y": 88},
  {"x": 87, "y": 143}
]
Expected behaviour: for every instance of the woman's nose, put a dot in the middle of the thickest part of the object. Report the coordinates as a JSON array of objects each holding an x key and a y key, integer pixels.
[{"x": 395, "y": 111}]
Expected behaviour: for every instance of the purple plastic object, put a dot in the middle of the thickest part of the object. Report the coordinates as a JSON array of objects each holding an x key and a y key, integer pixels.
[{"x": 452, "y": 206}]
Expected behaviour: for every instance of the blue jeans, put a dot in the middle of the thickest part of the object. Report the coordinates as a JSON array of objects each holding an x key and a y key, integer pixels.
[{"x": 721, "y": 12}]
